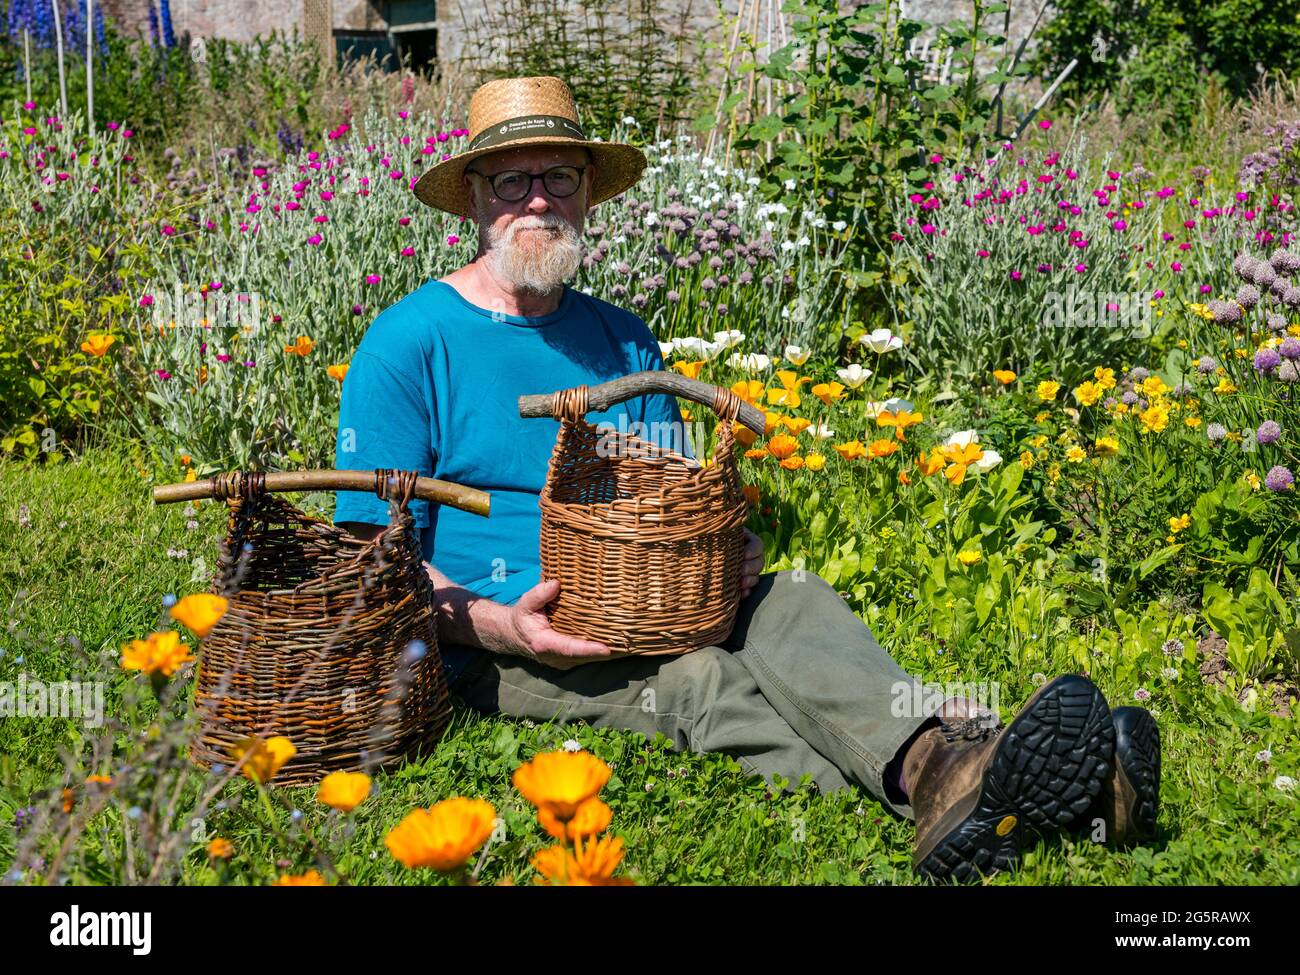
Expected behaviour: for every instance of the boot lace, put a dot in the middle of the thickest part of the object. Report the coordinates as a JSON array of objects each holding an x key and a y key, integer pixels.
[{"x": 977, "y": 728}]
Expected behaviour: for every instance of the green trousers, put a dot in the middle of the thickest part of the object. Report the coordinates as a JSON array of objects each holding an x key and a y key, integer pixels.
[{"x": 801, "y": 686}]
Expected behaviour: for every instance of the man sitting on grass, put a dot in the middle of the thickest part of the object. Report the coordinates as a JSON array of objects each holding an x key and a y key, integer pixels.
[{"x": 801, "y": 686}]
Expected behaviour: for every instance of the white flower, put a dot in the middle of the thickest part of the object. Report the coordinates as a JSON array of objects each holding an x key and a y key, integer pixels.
[
  {"x": 768, "y": 225},
  {"x": 880, "y": 341},
  {"x": 819, "y": 222},
  {"x": 796, "y": 355},
  {"x": 802, "y": 242},
  {"x": 666, "y": 349},
  {"x": 820, "y": 431},
  {"x": 749, "y": 362},
  {"x": 874, "y": 409},
  {"x": 752, "y": 181},
  {"x": 854, "y": 375},
  {"x": 896, "y": 404},
  {"x": 990, "y": 460},
  {"x": 1263, "y": 755},
  {"x": 963, "y": 439},
  {"x": 1169, "y": 673},
  {"x": 699, "y": 347},
  {"x": 787, "y": 245},
  {"x": 651, "y": 219},
  {"x": 1285, "y": 783},
  {"x": 728, "y": 338},
  {"x": 789, "y": 184},
  {"x": 838, "y": 225},
  {"x": 572, "y": 745},
  {"x": 629, "y": 120}
]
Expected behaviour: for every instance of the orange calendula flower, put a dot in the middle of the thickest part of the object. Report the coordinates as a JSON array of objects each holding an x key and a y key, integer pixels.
[
  {"x": 442, "y": 837},
  {"x": 97, "y": 345},
  {"x": 589, "y": 863},
  {"x": 99, "y": 780},
  {"x": 828, "y": 392},
  {"x": 592, "y": 817},
  {"x": 788, "y": 395},
  {"x": 69, "y": 800},
  {"x": 302, "y": 346},
  {"x": 691, "y": 370},
  {"x": 782, "y": 446},
  {"x": 265, "y": 757},
  {"x": 220, "y": 849},
  {"x": 881, "y": 448},
  {"x": 853, "y": 450},
  {"x": 312, "y": 878},
  {"x": 337, "y": 372},
  {"x": 161, "y": 654},
  {"x": 561, "y": 781},
  {"x": 344, "y": 791},
  {"x": 1005, "y": 376},
  {"x": 186, "y": 460},
  {"x": 203, "y": 375},
  {"x": 904, "y": 477},
  {"x": 200, "y": 612},
  {"x": 900, "y": 421},
  {"x": 792, "y": 463},
  {"x": 756, "y": 453}
]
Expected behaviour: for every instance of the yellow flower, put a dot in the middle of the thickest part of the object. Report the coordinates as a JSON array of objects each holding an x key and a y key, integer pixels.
[
  {"x": 771, "y": 422},
  {"x": 1054, "y": 473},
  {"x": 788, "y": 395},
  {"x": 782, "y": 446},
  {"x": 749, "y": 390},
  {"x": 1041, "y": 416},
  {"x": 1154, "y": 418},
  {"x": 968, "y": 557},
  {"x": 161, "y": 654},
  {"x": 97, "y": 345},
  {"x": 1026, "y": 459},
  {"x": 1226, "y": 387},
  {"x": 265, "y": 757},
  {"x": 1202, "y": 310},
  {"x": 1039, "y": 440},
  {"x": 1075, "y": 454},
  {"x": 931, "y": 463},
  {"x": 337, "y": 372},
  {"x": 592, "y": 817},
  {"x": 444, "y": 836},
  {"x": 796, "y": 424},
  {"x": 220, "y": 849},
  {"x": 792, "y": 463},
  {"x": 1005, "y": 376},
  {"x": 815, "y": 462},
  {"x": 589, "y": 863},
  {"x": 1192, "y": 421},
  {"x": 1154, "y": 386},
  {"x": 190, "y": 476},
  {"x": 561, "y": 781},
  {"x": 1105, "y": 377},
  {"x": 881, "y": 448},
  {"x": 828, "y": 392},
  {"x": 1087, "y": 393},
  {"x": 1251, "y": 478},
  {"x": 200, "y": 612},
  {"x": 853, "y": 450},
  {"x": 312, "y": 878},
  {"x": 1178, "y": 524},
  {"x": 344, "y": 791},
  {"x": 302, "y": 346},
  {"x": 1106, "y": 447},
  {"x": 1047, "y": 389},
  {"x": 900, "y": 421},
  {"x": 691, "y": 370}
]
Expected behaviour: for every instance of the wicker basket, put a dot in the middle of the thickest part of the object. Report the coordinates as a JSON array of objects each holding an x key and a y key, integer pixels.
[
  {"x": 328, "y": 640},
  {"x": 646, "y": 545}
]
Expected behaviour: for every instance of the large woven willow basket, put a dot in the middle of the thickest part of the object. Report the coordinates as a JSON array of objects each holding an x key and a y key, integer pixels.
[
  {"x": 328, "y": 640},
  {"x": 646, "y": 545}
]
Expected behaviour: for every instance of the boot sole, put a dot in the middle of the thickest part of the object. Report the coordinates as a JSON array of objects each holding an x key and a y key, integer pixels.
[
  {"x": 1137, "y": 759},
  {"x": 1048, "y": 765}
]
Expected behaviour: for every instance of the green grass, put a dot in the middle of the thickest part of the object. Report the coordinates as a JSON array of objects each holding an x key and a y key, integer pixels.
[{"x": 89, "y": 568}]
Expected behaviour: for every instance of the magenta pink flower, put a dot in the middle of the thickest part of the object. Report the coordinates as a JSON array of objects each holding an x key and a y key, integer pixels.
[
  {"x": 146, "y": 301},
  {"x": 404, "y": 221},
  {"x": 373, "y": 279},
  {"x": 452, "y": 239},
  {"x": 315, "y": 239},
  {"x": 1045, "y": 125},
  {"x": 168, "y": 230},
  {"x": 408, "y": 251},
  {"x": 326, "y": 195},
  {"x": 162, "y": 374},
  {"x": 1175, "y": 267}
]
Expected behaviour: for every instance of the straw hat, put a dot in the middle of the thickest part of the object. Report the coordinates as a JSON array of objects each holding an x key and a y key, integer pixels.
[{"x": 535, "y": 111}]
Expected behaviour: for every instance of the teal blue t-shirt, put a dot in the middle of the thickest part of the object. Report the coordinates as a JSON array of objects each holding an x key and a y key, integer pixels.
[{"x": 434, "y": 387}]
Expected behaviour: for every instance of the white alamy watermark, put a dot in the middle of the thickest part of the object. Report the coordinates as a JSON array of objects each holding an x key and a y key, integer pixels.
[
  {"x": 74, "y": 929},
  {"x": 912, "y": 699},
  {"x": 213, "y": 310},
  {"x": 1079, "y": 308},
  {"x": 26, "y": 698},
  {"x": 680, "y": 438}
]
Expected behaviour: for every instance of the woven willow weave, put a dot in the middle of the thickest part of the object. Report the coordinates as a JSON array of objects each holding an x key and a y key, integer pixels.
[
  {"x": 328, "y": 640},
  {"x": 647, "y": 549}
]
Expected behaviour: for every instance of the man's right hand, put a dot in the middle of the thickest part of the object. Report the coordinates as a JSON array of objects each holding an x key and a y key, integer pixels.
[{"x": 527, "y": 628}]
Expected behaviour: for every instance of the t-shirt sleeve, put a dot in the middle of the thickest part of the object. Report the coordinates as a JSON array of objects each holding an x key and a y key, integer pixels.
[
  {"x": 661, "y": 408},
  {"x": 384, "y": 421}
]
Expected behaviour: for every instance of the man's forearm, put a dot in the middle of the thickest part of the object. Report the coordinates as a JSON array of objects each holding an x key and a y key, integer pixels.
[{"x": 467, "y": 618}]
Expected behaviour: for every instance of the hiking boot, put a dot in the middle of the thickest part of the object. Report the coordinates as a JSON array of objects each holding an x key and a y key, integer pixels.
[
  {"x": 1129, "y": 801},
  {"x": 975, "y": 787}
]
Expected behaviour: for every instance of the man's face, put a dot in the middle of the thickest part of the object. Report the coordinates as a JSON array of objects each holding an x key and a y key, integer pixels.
[{"x": 534, "y": 243}]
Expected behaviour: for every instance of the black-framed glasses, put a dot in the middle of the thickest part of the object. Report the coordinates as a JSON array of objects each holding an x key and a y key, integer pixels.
[{"x": 512, "y": 185}]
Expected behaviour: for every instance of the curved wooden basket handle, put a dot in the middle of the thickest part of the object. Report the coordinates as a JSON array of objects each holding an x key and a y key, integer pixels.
[
  {"x": 605, "y": 395},
  {"x": 426, "y": 488}
]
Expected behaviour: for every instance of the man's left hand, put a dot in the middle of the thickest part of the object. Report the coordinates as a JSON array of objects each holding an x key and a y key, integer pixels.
[{"x": 752, "y": 563}]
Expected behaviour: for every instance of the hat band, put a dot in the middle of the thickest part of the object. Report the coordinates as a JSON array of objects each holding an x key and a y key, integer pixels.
[{"x": 526, "y": 127}]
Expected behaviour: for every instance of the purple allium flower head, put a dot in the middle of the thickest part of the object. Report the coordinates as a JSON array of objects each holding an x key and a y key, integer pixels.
[
  {"x": 1279, "y": 479},
  {"x": 1108, "y": 402},
  {"x": 1276, "y": 322},
  {"x": 1264, "y": 274},
  {"x": 1207, "y": 365},
  {"x": 1129, "y": 398},
  {"x": 708, "y": 284},
  {"x": 1248, "y": 296},
  {"x": 1270, "y": 431},
  {"x": 1285, "y": 261},
  {"x": 1226, "y": 312},
  {"x": 1290, "y": 348},
  {"x": 673, "y": 297},
  {"x": 1138, "y": 373},
  {"x": 1287, "y": 372},
  {"x": 1215, "y": 432},
  {"x": 1243, "y": 265},
  {"x": 1266, "y": 360}
]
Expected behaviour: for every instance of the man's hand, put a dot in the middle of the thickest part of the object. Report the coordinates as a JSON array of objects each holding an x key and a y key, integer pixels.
[
  {"x": 752, "y": 565},
  {"x": 527, "y": 628}
]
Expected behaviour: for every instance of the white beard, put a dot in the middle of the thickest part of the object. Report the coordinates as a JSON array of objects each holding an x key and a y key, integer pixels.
[{"x": 532, "y": 261}]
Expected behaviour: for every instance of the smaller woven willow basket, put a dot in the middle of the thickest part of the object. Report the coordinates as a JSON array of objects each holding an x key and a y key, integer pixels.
[
  {"x": 328, "y": 640},
  {"x": 646, "y": 546}
]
